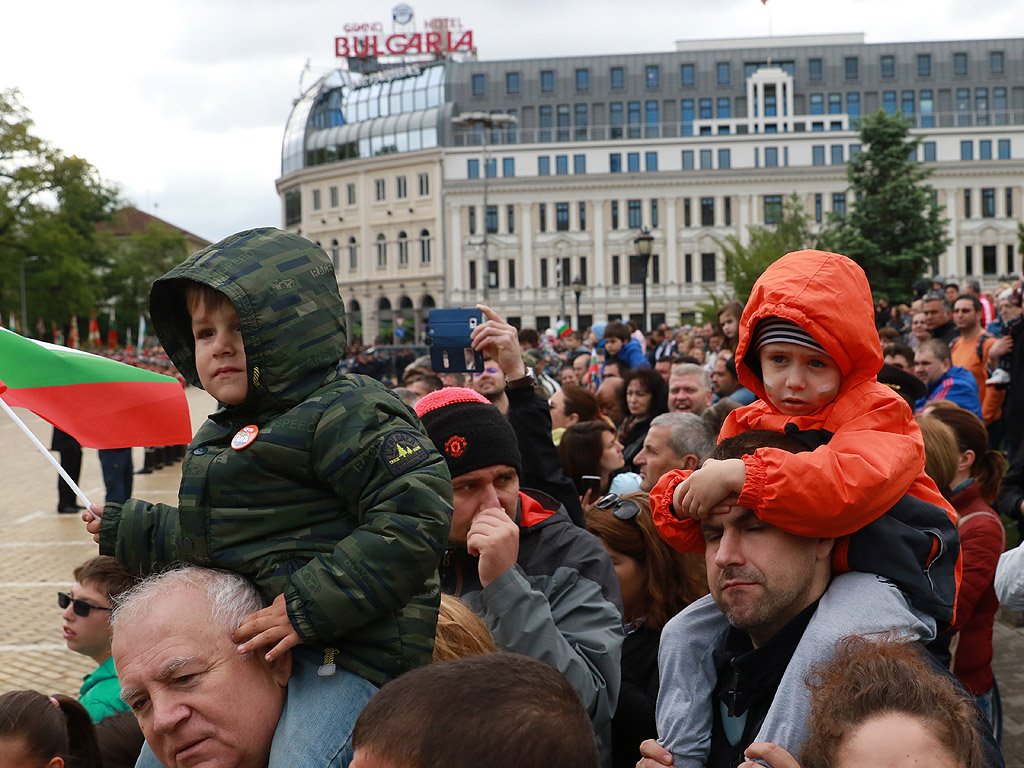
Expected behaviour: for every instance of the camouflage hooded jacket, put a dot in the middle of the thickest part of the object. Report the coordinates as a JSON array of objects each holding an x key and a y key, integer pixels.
[{"x": 341, "y": 502}]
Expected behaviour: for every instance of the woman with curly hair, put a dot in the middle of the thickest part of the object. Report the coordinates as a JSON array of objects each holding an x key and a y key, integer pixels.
[{"x": 656, "y": 583}]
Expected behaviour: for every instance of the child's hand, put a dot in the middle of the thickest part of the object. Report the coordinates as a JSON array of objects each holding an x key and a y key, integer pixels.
[
  {"x": 267, "y": 627},
  {"x": 92, "y": 521},
  {"x": 772, "y": 754},
  {"x": 704, "y": 491}
]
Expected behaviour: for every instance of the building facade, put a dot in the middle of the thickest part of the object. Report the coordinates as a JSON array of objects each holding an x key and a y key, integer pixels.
[{"x": 424, "y": 200}]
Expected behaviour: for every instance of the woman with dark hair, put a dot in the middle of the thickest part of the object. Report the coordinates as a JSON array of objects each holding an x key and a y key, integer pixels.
[
  {"x": 729, "y": 321},
  {"x": 571, "y": 405},
  {"x": 656, "y": 583},
  {"x": 644, "y": 396},
  {"x": 46, "y": 731},
  {"x": 975, "y": 484},
  {"x": 590, "y": 448}
]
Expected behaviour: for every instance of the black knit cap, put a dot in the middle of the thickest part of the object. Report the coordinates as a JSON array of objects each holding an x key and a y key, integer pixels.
[{"x": 468, "y": 430}]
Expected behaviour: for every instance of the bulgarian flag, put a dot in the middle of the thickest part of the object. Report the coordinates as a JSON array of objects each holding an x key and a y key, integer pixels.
[
  {"x": 564, "y": 330},
  {"x": 99, "y": 401}
]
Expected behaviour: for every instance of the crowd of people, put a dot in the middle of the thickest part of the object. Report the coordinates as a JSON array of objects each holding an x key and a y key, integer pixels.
[{"x": 779, "y": 536}]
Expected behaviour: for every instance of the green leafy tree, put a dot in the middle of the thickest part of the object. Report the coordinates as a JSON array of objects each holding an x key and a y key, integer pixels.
[
  {"x": 49, "y": 206},
  {"x": 894, "y": 230}
]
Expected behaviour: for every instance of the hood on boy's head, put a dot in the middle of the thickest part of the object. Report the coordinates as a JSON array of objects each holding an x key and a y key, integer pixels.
[
  {"x": 827, "y": 295},
  {"x": 285, "y": 292}
]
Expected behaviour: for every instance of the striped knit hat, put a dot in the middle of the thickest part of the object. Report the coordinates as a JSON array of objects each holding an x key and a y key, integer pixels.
[
  {"x": 468, "y": 430},
  {"x": 774, "y": 330}
]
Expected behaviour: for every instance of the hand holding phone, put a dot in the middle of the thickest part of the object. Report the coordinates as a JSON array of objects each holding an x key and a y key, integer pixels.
[{"x": 449, "y": 337}]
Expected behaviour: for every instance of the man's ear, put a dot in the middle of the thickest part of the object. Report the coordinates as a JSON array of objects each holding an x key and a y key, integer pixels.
[
  {"x": 57, "y": 762},
  {"x": 281, "y": 669},
  {"x": 823, "y": 549},
  {"x": 690, "y": 461}
]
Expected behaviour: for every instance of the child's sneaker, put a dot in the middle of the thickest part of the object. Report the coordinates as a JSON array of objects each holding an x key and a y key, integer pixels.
[{"x": 999, "y": 377}]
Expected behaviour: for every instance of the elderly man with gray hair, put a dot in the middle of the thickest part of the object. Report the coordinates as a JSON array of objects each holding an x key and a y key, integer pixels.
[
  {"x": 689, "y": 389},
  {"x": 674, "y": 441},
  {"x": 199, "y": 701}
]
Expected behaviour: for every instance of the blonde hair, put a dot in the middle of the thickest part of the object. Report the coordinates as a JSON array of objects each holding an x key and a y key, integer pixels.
[{"x": 460, "y": 632}]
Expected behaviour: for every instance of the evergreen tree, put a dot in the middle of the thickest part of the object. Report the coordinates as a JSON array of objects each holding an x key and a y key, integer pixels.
[{"x": 894, "y": 229}]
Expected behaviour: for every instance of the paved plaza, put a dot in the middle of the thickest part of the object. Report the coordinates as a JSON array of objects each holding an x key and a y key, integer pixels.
[{"x": 41, "y": 548}]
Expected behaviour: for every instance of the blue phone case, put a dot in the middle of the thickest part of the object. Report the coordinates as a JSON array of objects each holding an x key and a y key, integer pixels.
[{"x": 450, "y": 350}]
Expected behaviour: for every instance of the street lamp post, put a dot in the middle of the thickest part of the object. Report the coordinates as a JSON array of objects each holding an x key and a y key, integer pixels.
[
  {"x": 24, "y": 303},
  {"x": 577, "y": 287},
  {"x": 644, "y": 243},
  {"x": 487, "y": 121}
]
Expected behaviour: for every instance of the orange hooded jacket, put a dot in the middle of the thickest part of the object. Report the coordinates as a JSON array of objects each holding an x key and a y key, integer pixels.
[{"x": 875, "y": 454}]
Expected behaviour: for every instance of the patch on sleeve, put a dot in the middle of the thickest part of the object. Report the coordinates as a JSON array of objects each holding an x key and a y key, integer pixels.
[{"x": 403, "y": 451}]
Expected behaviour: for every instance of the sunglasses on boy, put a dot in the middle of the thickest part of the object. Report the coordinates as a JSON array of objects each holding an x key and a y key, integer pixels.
[
  {"x": 624, "y": 509},
  {"x": 81, "y": 608}
]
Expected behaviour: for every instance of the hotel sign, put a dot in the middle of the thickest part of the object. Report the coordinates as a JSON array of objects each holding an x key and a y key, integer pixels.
[{"x": 442, "y": 36}]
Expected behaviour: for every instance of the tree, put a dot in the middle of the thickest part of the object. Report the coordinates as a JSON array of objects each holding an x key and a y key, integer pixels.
[
  {"x": 894, "y": 230},
  {"x": 49, "y": 205},
  {"x": 745, "y": 263}
]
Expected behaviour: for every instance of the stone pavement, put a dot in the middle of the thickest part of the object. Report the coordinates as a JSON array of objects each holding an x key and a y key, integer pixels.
[{"x": 39, "y": 549}]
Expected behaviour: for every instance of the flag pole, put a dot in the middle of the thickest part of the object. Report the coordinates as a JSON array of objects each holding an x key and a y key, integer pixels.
[{"x": 49, "y": 456}]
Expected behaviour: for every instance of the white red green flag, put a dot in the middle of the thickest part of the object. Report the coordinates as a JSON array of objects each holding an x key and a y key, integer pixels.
[{"x": 101, "y": 402}]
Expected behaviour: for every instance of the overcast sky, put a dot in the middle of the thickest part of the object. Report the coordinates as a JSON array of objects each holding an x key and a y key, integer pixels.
[{"x": 183, "y": 103}]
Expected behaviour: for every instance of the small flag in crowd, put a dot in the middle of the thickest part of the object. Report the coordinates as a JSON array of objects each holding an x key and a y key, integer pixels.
[
  {"x": 594, "y": 371},
  {"x": 564, "y": 330},
  {"x": 99, "y": 401},
  {"x": 73, "y": 338},
  {"x": 94, "y": 331}
]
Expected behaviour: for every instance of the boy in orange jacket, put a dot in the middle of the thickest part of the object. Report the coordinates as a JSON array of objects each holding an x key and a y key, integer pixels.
[{"x": 809, "y": 349}]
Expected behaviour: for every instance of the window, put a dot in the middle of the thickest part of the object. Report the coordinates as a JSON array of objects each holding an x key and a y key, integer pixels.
[
  {"x": 378, "y": 185},
  {"x": 888, "y": 66},
  {"x": 907, "y": 103},
  {"x": 382, "y": 252},
  {"x": 817, "y": 104},
  {"x": 818, "y": 154},
  {"x": 771, "y": 157},
  {"x": 687, "y": 216},
  {"x": 650, "y": 161},
  {"x": 472, "y": 219},
  {"x": 926, "y": 107},
  {"x": 686, "y": 116},
  {"x": 967, "y": 203},
  {"x": 988, "y": 203},
  {"x": 705, "y": 160},
  {"x": 724, "y": 112},
  {"x": 580, "y": 121},
  {"x": 563, "y": 122},
  {"x": 1010, "y": 269},
  {"x": 334, "y": 197},
  {"x": 1009, "y": 203},
  {"x": 543, "y": 273},
  {"x": 335, "y": 255},
  {"x": 491, "y": 219},
  {"x": 651, "y": 119},
  {"x": 707, "y": 268},
  {"x": 999, "y": 105},
  {"x": 728, "y": 211},
  {"x": 582, "y": 79},
  {"x": 839, "y": 203},
  {"x": 403, "y": 249},
  {"x": 835, "y": 103},
  {"x": 547, "y": 81},
  {"x": 350, "y": 193},
  {"x": 583, "y": 216},
  {"x": 579, "y": 164},
  {"x": 960, "y": 64},
  {"x": 652, "y": 76},
  {"x": 633, "y": 108},
  {"x": 1004, "y": 149},
  {"x": 686, "y": 74},
  {"x": 889, "y": 102},
  {"x": 472, "y": 169},
  {"x": 635, "y": 214},
  {"x": 542, "y": 217},
  {"x": 995, "y": 62},
  {"x": 854, "y": 151},
  {"x": 705, "y": 109},
  {"x": 561, "y": 217},
  {"x": 963, "y": 106},
  {"x": 353, "y": 255},
  {"x": 424, "y": 179},
  {"x": 654, "y": 214},
  {"x": 929, "y": 151},
  {"x": 724, "y": 72},
  {"x": 615, "y": 120},
  {"x": 836, "y": 154},
  {"x": 981, "y": 105},
  {"x": 615, "y": 162},
  {"x": 924, "y": 65},
  {"x": 967, "y": 150},
  {"x": 544, "y": 166},
  {"x": 401, "y": 191},
  {"x": 985, "y": 149},
  {"x": 508, "y": 167},
  {"x": 617, "y": 78},
  {"x": 688, "y": 267},
  {"x": 615, "y": 271},
  {"x": 772, "y": 209},
  {"x": 707, "y": 211},
  {"x": 969, "y": 260},
  {"x": 512, "y": 83},
  {"x": 472, "y": 275},
  {"x": 988, "y": 259},
  {"x": 615, "y": 214},
  {"x": 853, "y": 107},
  {"x": 510, "y": 212},
  {"x": 479, "y": 84},
  {"x": 852, "y": 64},
  {"x": 817, "y": 207},
  {"x": 687, "y": 159},
  {"x": 814, "y": 70},
  {"x": 724, "y": 159},
  {"x": 511, "y": 273},
  {"x": 561, "y": 165},
  {"x": 633, "y": 162},
  {"x": 316, "y": 199}
]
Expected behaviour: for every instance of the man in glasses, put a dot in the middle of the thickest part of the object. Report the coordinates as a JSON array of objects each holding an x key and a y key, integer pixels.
[{"x": 87, "y": 630}]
